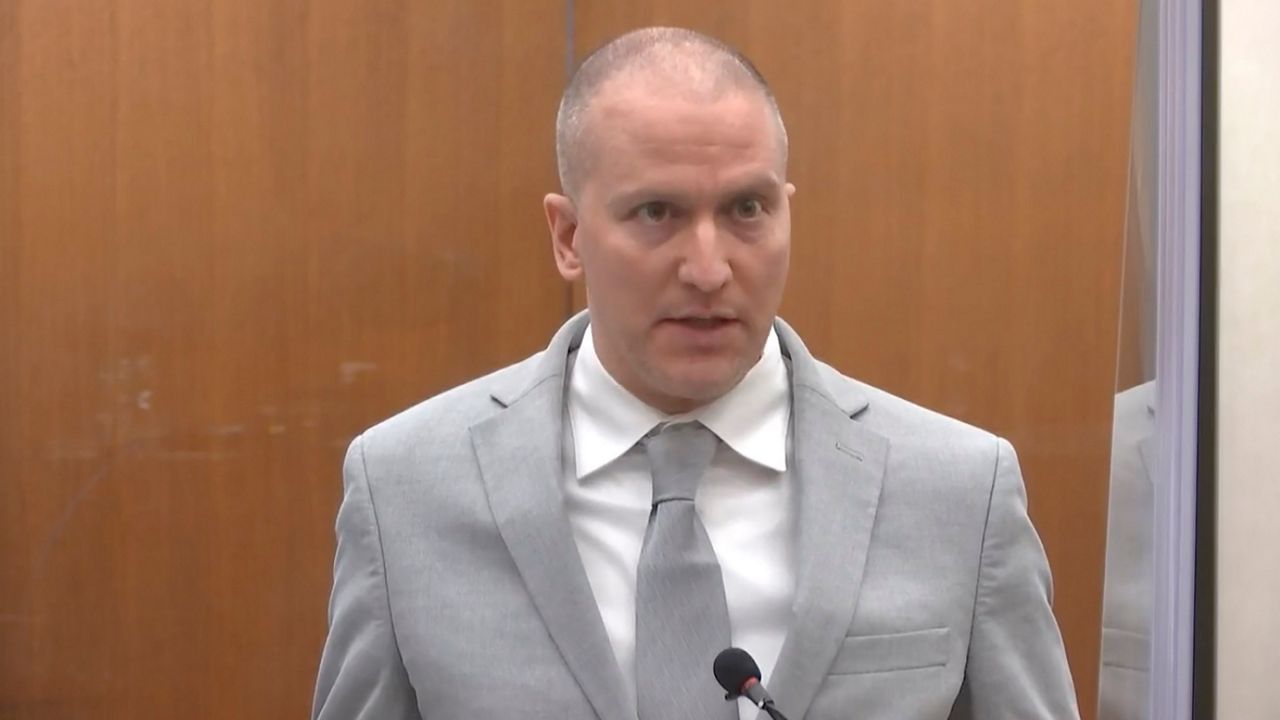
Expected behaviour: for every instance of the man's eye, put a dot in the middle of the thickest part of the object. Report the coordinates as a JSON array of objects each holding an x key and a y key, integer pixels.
[
  {"x": 653, "y": 212},
  {"x": 747, "y": 208}
]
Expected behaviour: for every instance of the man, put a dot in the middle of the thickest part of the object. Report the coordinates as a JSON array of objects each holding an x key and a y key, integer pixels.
[{"x": 576, "y": 536}]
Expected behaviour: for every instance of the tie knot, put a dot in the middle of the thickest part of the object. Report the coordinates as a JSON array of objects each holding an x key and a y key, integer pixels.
[{"x": 679, "y": 455}]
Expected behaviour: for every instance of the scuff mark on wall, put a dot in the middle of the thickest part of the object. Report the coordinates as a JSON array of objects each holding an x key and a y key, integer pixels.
[{"x": 349, "y": 370}]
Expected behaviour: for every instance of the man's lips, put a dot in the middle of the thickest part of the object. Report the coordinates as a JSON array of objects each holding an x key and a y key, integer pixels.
[
  {"x": 703, "y": 315},
  {"x": 702, "y": 322}
]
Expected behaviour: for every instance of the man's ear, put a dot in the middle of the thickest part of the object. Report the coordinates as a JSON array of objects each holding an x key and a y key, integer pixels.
[{"x": 562, "y": 220}]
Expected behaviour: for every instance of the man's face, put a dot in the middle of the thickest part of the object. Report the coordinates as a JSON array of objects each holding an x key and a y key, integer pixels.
[{"x": 682, "y": 229}]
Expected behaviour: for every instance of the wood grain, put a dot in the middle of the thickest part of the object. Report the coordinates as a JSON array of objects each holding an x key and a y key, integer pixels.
[{"x": 234, "y": 234}]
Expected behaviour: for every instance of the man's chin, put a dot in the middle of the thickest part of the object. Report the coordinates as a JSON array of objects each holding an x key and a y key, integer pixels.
[{"x": 694, "y": 391}]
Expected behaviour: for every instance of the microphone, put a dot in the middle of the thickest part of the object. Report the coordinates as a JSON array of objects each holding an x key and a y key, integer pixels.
[{"x": 738, "y": 674}]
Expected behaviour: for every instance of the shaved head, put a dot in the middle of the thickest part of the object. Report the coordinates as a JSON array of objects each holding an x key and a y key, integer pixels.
[{"x": 667, "y": 61}]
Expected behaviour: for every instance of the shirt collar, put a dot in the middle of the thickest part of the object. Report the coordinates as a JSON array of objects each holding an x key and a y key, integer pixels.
[{"x": 607, "y": 420}]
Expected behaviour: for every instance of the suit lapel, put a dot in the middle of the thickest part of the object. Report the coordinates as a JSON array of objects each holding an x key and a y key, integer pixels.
[
  {"x": 838, "y": 467},
  {"x": 519, "y": 451}
]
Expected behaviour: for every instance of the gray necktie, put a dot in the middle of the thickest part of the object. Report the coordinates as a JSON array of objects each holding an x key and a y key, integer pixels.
[{"x": 682, "y": 620}]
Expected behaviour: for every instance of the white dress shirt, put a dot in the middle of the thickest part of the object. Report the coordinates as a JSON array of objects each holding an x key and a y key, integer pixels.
[{"x": 745, "y": 501}]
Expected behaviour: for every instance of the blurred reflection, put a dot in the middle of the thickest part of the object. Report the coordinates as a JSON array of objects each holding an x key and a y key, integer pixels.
[
  {"x": 1123, "y": 685},
  {"x": 1126, "y": 605}
]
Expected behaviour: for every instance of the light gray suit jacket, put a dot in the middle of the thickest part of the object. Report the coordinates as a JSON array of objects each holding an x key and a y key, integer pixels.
[{"x": 922, "y": 588}]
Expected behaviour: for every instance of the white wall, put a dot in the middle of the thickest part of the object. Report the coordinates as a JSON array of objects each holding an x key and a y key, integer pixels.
[{"x": 1249, "y": 363}]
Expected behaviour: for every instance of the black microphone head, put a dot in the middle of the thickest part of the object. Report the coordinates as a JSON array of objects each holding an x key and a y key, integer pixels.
[{"x": 733, "y": 668}]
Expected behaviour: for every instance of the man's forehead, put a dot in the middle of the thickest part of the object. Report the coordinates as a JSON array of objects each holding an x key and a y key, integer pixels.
[
  {"x": 684, "y": 170},
  {"x": 642, "y": 125},
  {"x": 644, "y": 116}
]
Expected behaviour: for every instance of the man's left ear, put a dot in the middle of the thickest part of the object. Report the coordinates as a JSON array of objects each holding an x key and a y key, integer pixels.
[
  {"x": 562, "y": 221},
  {"x": 791, "y": 190}
]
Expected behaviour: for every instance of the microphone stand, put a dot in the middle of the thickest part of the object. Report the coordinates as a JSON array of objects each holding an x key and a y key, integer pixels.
[
  {"x": 765, "y": 704},
  {"x": 773, "y": 712}
]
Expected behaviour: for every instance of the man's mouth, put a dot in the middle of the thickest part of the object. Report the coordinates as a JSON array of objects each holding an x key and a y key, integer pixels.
[{"x": 704, "y": 323}]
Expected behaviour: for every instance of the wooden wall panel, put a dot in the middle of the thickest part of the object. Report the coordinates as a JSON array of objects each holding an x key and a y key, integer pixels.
[
  {"x": 12, "y": 537},
  {"x": 231, "y": 235},
  {"x": 958, "y": 224}
]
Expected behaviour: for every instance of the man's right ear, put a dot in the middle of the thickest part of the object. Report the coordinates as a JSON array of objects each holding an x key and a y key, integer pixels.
[{"x": 562, "y": 220}]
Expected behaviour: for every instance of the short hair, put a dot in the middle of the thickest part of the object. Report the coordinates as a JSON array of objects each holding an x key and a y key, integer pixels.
[{"x": 709, "y": 66}]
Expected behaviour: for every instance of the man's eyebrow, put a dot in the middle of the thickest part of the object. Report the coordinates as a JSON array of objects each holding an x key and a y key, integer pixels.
[
  {"x": 765, "y": 184},
  {"x": 628, "y": 199}
]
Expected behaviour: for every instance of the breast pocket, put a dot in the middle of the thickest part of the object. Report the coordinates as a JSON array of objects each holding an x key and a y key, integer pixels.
[{"x": 886, "y": 653}]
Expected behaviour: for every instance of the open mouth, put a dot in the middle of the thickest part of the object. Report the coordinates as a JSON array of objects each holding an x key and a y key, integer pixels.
[{"x": 702, "y": 329}]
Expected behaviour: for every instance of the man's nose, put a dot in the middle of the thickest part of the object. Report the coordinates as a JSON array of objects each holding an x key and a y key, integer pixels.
[{"x": 705, "y": 265}]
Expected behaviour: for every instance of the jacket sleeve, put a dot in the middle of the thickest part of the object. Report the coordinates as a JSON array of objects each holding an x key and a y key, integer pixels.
[
  {"x": 1017, "y": 666},
  {"x": 361, "y": 672}
]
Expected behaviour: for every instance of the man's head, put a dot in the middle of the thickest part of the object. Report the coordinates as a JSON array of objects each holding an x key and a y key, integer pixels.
[{"x": 676, "y": 211}]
